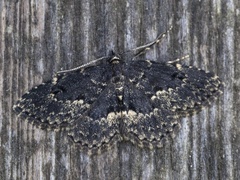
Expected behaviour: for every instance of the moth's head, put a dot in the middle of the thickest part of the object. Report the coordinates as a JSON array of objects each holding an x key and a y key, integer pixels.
[{"x": 114, "y": 58}]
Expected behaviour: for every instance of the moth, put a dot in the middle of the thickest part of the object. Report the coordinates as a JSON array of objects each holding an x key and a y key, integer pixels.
[{"x": 120, "y": 97}]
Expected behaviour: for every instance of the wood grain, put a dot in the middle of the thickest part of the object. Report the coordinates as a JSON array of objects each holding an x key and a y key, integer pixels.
[{"x": 38, "y": 38}]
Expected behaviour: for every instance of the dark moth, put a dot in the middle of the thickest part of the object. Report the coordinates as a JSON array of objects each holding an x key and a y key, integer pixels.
[{"x": 118, "y": 98}]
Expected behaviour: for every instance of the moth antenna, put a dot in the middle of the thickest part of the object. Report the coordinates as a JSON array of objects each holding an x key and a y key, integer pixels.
[
  {"x": 83, "y": 66},
  {"x": 142, "y": 49}
]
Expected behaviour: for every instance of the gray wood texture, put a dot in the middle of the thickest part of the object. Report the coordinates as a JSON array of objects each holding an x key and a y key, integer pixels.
[{"x": 38, "y": 38}]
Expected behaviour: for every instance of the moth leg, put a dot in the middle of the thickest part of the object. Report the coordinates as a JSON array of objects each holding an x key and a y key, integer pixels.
[{"x": 178, "y": 59}]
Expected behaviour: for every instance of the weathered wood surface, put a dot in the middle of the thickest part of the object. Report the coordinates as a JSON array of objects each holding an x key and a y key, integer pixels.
[{"x": 40, "y": 37}]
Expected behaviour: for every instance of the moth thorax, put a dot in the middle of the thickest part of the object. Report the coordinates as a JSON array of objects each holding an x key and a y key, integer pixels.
[
  {"x": 119, "y": 83},
  {"x": 118, "y": 79}
]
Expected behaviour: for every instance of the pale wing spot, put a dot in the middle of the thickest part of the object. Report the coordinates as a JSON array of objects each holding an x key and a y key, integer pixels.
[
  {"x": 179, "y": 66},
  {"x": 153, "y": 98},
  {"x": 132, "y": 113},
  {"x": 54, "y": 81},
  {"x": 160, "y": 93},
  {"x": 120, "y": 97}
]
